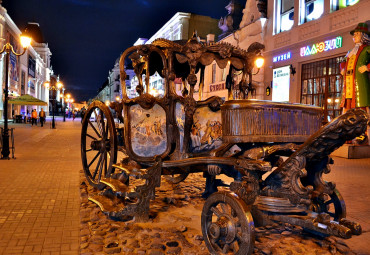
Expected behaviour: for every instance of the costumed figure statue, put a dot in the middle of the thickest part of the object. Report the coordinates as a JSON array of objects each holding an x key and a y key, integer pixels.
[{"x": 356, "y": 71}]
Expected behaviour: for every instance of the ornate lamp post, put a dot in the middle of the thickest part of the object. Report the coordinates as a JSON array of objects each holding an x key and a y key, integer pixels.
[
  {"x": 71, "y": 100},
  {"x": 7, "y": 49},
  {"x": 64, "y": 106},
  {"x": 67, "y": 100},
  {"x": 53, "y": 85}
]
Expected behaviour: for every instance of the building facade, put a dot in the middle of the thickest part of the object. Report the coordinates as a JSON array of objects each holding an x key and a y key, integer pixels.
[
  {"x": 27, "y": 73},
  {"x": 305, "y": 43}
]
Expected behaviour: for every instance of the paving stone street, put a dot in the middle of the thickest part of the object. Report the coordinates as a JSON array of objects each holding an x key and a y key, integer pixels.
[{"x": 41, "y": 208}]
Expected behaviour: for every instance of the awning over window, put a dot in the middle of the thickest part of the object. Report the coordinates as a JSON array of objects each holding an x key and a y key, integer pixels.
[{"x": 26, "y": 100}]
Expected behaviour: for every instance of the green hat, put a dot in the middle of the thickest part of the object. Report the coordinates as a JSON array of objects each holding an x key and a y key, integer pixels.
[{"x": 361, "y": 27}]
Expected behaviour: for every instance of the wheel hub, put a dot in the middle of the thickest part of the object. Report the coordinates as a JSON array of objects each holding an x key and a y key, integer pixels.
[
  {"x": 214, "y": 231},
  {"x": 99, "y": 145},
  {"x": 224, "y": 228}
]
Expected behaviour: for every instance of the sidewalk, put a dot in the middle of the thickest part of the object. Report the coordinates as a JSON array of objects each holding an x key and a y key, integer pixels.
[
  {"x": 352, "y": 179},
  {"x": 39, "y": 190}
]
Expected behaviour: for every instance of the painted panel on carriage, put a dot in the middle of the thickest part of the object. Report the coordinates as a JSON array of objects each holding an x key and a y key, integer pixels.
[
  {"x": 148, "y": 131},
  {"x": 180, "y": 120},
  {"x": 206, "y": 132}
]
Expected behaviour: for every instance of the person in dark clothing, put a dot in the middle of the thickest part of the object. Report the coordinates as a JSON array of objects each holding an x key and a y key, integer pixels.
[{"x": 42, "y": 117}]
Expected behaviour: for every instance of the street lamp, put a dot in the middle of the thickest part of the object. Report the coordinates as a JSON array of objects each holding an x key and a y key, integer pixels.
[
  {"x": 67, "y": 100},
  {"x": 64, "y": 107},
  {"x": 8, "y": 48},
  {"x": 53, "y": 85}
]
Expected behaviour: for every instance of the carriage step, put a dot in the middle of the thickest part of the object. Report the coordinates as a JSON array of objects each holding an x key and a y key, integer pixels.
[
  {"x": 116, "y": 185},
  {"x": 107, "y": 204},
  {"x": 130, "y": 170}
]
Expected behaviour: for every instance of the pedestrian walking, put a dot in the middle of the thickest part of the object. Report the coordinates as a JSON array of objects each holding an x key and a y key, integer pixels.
[
  {"x": 34, "y": 117},
  {"x": 74, "y": 115},
  {"x": 42, "y": 117},
  {"x": 83, "y": 111}
]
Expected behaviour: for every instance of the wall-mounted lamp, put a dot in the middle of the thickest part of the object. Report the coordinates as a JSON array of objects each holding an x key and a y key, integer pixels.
[
  {"x": 292, "y": 70},
  {"x": 258, "y": 63}
]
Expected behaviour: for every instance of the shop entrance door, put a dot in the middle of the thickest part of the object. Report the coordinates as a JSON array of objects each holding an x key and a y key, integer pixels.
[{"x": 322, "y": 85}]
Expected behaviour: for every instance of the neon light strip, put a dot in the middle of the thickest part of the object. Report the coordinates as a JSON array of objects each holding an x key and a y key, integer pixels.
[
  {"x": 282, "y": 57},
  {"x": 322, "y": 46}
]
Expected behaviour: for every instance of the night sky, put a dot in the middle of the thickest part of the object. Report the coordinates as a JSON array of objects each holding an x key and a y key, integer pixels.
[{"x": 87, "y": 36}]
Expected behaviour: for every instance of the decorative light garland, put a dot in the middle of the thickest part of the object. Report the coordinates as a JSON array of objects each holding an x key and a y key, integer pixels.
[{"x": 322, "y": 46}]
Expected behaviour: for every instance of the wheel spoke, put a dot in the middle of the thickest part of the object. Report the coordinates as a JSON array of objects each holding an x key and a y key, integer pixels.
[
  {"x": 96, "y": 131},
  {"x": 97, "y": 166},
  {"x": 224, "y": 208},
  {"x": 106, "y": 129},
  {"x": 105, "y": 164},
  {"x": 238, "y": 236},
  {"x": 328, "y": 202},
  {"x": 98, "y": 118},
  {"x": 103, "y": 124},
  {"x": 226, "y": 248},
  {"x": 97, "y": 154},
  {"x": 91, "y": 137},
  {"x": 101, "y": 121},
  {"x": 216, "y": 211},
  {"x": 235, "y": 246},
  {"x": 88, "y": 150},
  {"x": 215, "y": 245},
  {"x": 101, "y": 169}
]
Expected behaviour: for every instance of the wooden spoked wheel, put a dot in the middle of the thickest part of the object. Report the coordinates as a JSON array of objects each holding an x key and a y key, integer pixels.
[
  {"x": 98, "y": 143},
  {"x": 227, "y": 225},
  {"x": 332, "y": 204}
]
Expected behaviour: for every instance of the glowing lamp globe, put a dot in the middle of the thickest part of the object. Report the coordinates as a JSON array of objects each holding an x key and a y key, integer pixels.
[
  {"x": 259, "y": 62},
  {"x": 25, "y": 41}
]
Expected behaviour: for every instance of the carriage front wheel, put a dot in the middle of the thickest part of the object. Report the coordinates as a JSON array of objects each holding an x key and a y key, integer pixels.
[
  {"x": 227, "y": 225},
  {"x": 98, "y": 143}
]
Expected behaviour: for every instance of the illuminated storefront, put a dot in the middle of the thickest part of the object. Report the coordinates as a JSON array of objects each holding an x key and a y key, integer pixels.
[{"x": 310, "y": 47}]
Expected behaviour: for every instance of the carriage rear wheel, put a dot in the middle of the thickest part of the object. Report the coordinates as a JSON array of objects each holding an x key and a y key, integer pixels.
[
  {"x": 227, "y": 225},
  {"x": 98, "y": 143},
  {"x": 332, "y": 204}
]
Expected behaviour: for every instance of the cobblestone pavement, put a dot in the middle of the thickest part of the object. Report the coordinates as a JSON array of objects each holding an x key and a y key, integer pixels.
[
  {"x": 40, "y": 206},
  {"x": 39, "y": 195}
]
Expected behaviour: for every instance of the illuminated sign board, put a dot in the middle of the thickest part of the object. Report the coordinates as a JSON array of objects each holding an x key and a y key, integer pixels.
[
  {"x": 322, "y": 46},
  {"x": 281, "y": 84},
  {"x": 282, "y": 57}
]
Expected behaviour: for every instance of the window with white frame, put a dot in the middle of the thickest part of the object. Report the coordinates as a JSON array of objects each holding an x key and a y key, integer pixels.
[
  {"x": 339, "y": 4},
  {"x": 284, "y": 15},
  {"x": 312, "y": 9}
]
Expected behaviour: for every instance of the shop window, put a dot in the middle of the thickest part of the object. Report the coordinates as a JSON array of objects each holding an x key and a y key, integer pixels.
[
  {"x": 322, "y": 85},
  {"x": 339, "y": 4},
  {"x": 284, "y": 15},
  {"x": 312, "y": 9}
]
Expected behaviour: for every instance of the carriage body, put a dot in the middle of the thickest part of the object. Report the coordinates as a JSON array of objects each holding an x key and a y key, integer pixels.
[{"x": 174, "y": 134}]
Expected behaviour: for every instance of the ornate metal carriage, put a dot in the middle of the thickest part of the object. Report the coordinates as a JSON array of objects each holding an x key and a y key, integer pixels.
[{"x": 276, "y": 153}]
